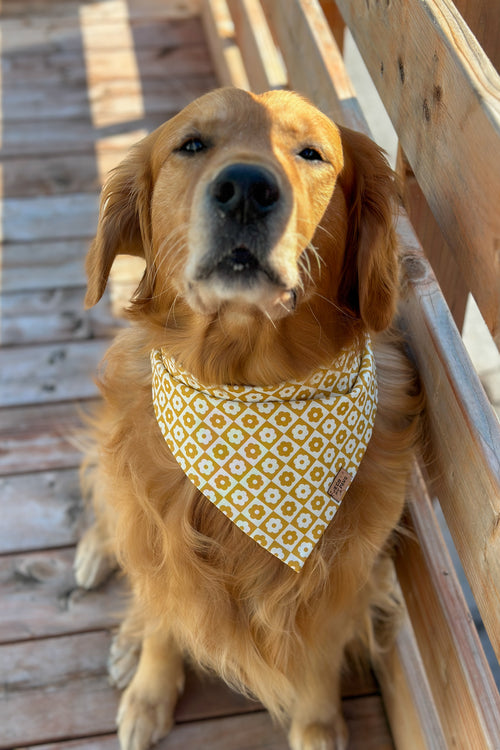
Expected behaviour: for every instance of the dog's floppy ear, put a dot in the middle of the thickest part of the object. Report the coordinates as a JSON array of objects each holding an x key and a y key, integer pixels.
[
  {"x": 123, "y": 225},
  {"x": 369, "y": 280}
]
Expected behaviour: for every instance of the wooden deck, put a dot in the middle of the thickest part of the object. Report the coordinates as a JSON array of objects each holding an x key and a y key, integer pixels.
[{"x": 81, "y": 81}]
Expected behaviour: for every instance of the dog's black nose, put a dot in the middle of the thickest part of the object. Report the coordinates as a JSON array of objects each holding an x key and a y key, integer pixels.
[{"x": 245, "y": 192}]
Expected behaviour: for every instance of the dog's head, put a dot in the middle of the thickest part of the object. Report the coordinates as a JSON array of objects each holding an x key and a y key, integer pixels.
[{"x": 252, "y": 205}]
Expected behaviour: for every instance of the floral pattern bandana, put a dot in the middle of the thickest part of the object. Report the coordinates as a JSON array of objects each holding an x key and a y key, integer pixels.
[{"x": 276, "y": 460}]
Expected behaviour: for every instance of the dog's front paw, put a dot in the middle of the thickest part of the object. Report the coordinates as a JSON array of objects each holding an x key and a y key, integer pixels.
[
  {"x": 93, "y": 563},
  {"x": 142, "y": 722},
  {"x": 319, "y": 736},
  {"x": 123, "y": 659}
]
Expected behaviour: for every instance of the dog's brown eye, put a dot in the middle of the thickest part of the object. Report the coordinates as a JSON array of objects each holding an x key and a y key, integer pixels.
[
  {"x": 192, "y": 146},
  {"x": 310, "y": 154}
]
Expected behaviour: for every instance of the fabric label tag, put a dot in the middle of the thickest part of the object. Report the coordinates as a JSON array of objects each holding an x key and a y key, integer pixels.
[{"x": 340, "y": 485}]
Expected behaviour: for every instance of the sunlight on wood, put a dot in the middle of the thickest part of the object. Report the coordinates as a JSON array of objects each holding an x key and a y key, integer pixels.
[
  {"x": 108, "y": 70},
  {"x": 111, "y": 150},
  {"x": 126, "y": 103},
  {"x": 123, "y": 281}
]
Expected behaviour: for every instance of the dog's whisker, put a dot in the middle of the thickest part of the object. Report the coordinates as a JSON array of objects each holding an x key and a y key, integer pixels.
[
  {"x": 320, "y": 327},
  {"x": 335, "y": 306},
  {"x": 268, "y": 316},
  {"x": 171, "y": 311},
  {"x": 326, "y": 231}
]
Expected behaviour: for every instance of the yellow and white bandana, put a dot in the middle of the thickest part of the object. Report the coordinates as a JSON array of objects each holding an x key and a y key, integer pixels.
[{"x": 276, "y": 460}]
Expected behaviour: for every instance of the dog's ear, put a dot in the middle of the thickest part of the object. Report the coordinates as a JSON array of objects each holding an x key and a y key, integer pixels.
[
  {"x": 123, "y": 225},
  {"x": 369, "y": 279}
]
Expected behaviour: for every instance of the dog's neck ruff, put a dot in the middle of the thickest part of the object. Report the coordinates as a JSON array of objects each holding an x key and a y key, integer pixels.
[{"x": 278, "y": 460}]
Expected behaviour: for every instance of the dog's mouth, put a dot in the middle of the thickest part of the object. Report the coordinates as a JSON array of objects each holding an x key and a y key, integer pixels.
[
  {"x": 239, "y": 266},
  {"x": 240, "y": 277}
]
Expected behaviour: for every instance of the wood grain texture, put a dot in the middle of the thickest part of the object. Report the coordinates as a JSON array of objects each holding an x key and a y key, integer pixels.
[
  {"x": 43, "y": 265},
  {"x": 71, "y": 216},
  {"x": 263, "y": 64},
  {"x": 72, "y": 693},
  {"x": 40, "y": 510},
  {"x": 40, "y": 599},
  {"x": 41, "y": 437},
  {"x": 483, "y": 18},
  {"x": 62, "y": 67},
  {"x": 50, "y": 372},
  {"x": 459, "y": 676},
  {"x": 226, "y": 56},
  {"x": 33, "y": 317},
  {"x": 183, "y": 10},
  {"x": 463, "y": 433},
  {"x": 443, "y": 96},
  {"x": 454, "y": 287},
  {"x": 408, "y": 701},
  {"x": 24, "y": 34},
  {"x": 318, "y": 71}
]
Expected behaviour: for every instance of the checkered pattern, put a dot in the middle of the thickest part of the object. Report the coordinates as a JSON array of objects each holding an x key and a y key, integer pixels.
[{"x": 268, "y": 457}]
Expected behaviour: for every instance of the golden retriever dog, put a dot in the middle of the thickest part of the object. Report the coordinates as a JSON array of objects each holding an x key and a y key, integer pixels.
[{"x": 270, "y": 262}]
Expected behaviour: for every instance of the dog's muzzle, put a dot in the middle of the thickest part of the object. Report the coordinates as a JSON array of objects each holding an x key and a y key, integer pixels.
[{"x": 243, "y": 200}]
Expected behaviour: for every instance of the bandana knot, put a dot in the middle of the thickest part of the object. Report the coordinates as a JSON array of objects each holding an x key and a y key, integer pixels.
[{"x": 276, "y": 460}]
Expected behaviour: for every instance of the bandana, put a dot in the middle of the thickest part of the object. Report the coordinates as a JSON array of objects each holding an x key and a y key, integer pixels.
[{"x": 276, "y": 460}]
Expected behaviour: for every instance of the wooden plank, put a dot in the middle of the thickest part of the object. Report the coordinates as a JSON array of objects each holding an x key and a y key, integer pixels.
[
  {"x": 225, "y": 53},
  {"x": 318, "y": 72},
  {"x": 335, "y": 21},
  {"x": 42, "y": 218},
  {"x": 76, "y": 136},
  {"x": 40, "y": 598},
  {"x": 23, "y": 35},
  {"x": 263, "y": 64},
  {"x": 412, "y": 714},
  {"x": 483, "y": 19},
  {"x": 63, "y": 67},
  {"x": 40, "y": 510},
  {"x": 59, "y": 686},
  {"x": 452, "y": 284},
  {"x": 117, "y": 10},
  {"x": 54, "y": 175},
  {"x": 58, "y": 705},
  {"x": 50, "y": 372},
  {"x": 36, "y": 317},
  {"x": 52, "y": 264},
  {"x": 460, "y": 679},
  {"x": 462, "y": 431},
  {"x": 48, "y": 679},
  {"x": 39, "y": 437},
  {"x": 443, "y": 96},
  {"x": 253, "y": 731},
  {"x": 107, "y": 101}
]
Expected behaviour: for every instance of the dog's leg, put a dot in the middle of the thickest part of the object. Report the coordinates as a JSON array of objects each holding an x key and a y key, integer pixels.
[
  {"x": 124, "y": 656},
  {"x": 94, "y": 560},
  {"x": 318, "y": 726},
  {"x": 316, "y": 716},
  {"x": 146, "y": 712}
]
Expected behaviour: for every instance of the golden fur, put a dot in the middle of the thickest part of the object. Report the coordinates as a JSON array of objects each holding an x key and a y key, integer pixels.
[{"x": 201, "y": 587}]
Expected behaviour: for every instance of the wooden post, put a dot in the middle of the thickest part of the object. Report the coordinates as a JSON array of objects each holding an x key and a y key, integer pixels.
[
  {"x": 335, "y": 21},
  {"x": 437, "y": 250},
  {"x": 483, "y": 19}
]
